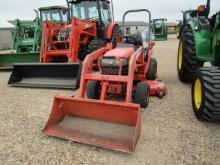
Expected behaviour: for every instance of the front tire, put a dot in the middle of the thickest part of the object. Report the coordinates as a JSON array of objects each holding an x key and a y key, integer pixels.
[
  {"x": 94, "y": 45},
  {"x": 142, "y": 94},
  {"x": 206, "y": 94},
  {"x": 187, "y": 64},
  {"x": 93, "y": 90}
]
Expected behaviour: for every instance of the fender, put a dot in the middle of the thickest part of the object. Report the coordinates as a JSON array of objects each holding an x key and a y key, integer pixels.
[
  {"x": 216, "y": 41},
  {"x": 202, "y": 35},
  {"x": 110, "y": 29}
]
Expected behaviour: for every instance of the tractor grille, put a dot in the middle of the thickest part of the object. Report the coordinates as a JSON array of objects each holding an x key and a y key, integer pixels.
[
  {"x": 111, "y": 66},
  {"x": 110, "y": 71}
]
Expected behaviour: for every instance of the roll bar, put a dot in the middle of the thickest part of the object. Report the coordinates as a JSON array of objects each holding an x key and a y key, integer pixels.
[{"x": 136, "y": 11}]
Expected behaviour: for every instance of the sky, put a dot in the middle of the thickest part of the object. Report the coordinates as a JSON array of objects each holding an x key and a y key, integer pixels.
[{"x": 170, "y": 9}]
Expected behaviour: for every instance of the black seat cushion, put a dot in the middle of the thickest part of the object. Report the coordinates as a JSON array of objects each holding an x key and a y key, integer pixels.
[
  {"x": 125, "y": 45},
  {"x": 138, "y": 39}
]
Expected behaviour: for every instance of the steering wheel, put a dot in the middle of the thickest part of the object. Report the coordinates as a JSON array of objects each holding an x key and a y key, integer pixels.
[{"x": 129, "y": 39}]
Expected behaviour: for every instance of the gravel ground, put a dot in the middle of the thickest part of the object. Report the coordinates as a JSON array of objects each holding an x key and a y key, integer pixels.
[{"x": 170, "y": 133}]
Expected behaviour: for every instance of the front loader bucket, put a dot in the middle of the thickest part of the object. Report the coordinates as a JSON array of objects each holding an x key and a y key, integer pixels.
[
  {"x": 111, "y": 125},
  {"x": 53, "y": 75}
]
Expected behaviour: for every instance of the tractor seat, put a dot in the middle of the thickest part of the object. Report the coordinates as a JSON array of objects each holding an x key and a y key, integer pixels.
[
  {"x": 125, "y": 45},
  {"x": 136, "y": 39}
]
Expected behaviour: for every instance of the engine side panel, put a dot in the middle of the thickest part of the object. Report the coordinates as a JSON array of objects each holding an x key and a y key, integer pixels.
[
  {"x": 216, "y": 41},
  {"x": 202, "y": 35}
]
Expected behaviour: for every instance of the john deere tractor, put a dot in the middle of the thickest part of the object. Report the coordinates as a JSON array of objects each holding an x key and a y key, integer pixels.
[
  {"x": 160, "y": 29},
  {"x": 200, "y": 43},
  {"x": 187, "y": 15}
]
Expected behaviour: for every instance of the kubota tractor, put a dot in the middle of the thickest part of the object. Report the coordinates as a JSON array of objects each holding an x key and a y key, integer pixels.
[
  {"x": 160, "y": 29},
  {"x": 110, "y": 116},
  {"x": 91, "y": 27},
  {"x": 200, "y": 43}
]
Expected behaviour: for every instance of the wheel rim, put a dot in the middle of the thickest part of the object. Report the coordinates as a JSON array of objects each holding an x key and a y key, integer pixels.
[
  {"x": 180, "y": 56},
  {"x": 198, "y": 94}
]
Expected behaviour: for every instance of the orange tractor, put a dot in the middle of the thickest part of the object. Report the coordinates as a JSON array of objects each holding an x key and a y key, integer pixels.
[
  {"x": 110, "y": 116},
  {"x": 90, "y": 27}
]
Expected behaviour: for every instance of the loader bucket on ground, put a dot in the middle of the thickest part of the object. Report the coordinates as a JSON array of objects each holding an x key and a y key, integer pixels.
[
  {"x": 8, "y": 59},
  {"x": 111, "y": 125},
  {"x": 53, "y": 75}
]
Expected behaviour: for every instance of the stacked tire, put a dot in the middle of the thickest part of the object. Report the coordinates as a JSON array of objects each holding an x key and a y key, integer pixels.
[{"x": 206, "y": 94}]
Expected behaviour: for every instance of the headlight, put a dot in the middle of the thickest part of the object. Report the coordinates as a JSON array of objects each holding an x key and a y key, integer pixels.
[{"x": 64, "y": 33}]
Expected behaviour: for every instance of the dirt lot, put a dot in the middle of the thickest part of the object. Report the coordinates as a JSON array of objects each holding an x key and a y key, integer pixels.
[{"x": 170, "y": 133}]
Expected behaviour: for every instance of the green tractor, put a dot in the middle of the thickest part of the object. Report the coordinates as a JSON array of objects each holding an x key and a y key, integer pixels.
[
  {"x": 160, "y": 29},
  {"x": 200, "y": 43},
  {"x": 27, "y": 36},
  {"x": 187, "y": 15}
]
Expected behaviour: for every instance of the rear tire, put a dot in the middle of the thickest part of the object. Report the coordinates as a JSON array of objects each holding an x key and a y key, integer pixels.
[
  {"x": 94, "y": 45},
  {"x": 206, "y": 94},
  {"x": 116, "y": 34},
  {"x": 82, "y": 52},
  {"x": 97, "y": 43},
  {"x": 152, "y": 71},
  {"x": 93, "y": 90},
  {"x": 186, "y": 62},
  {"x": 142, "y": 94}
]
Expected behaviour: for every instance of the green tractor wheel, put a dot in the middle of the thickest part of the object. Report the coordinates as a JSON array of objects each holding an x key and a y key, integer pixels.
[
  {"x": 186, "y": 62},
  {"x": 206, "y": 94}
]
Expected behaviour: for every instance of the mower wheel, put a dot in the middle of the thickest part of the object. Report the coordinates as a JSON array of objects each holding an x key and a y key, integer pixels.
[
  {"x": 152, "y": 71},
  {"x": 93, "y": 90},
  {"x": 187, "y": 64},
  {"x": 205, "y": 94},
  {"x": 142, "y": 94}
]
